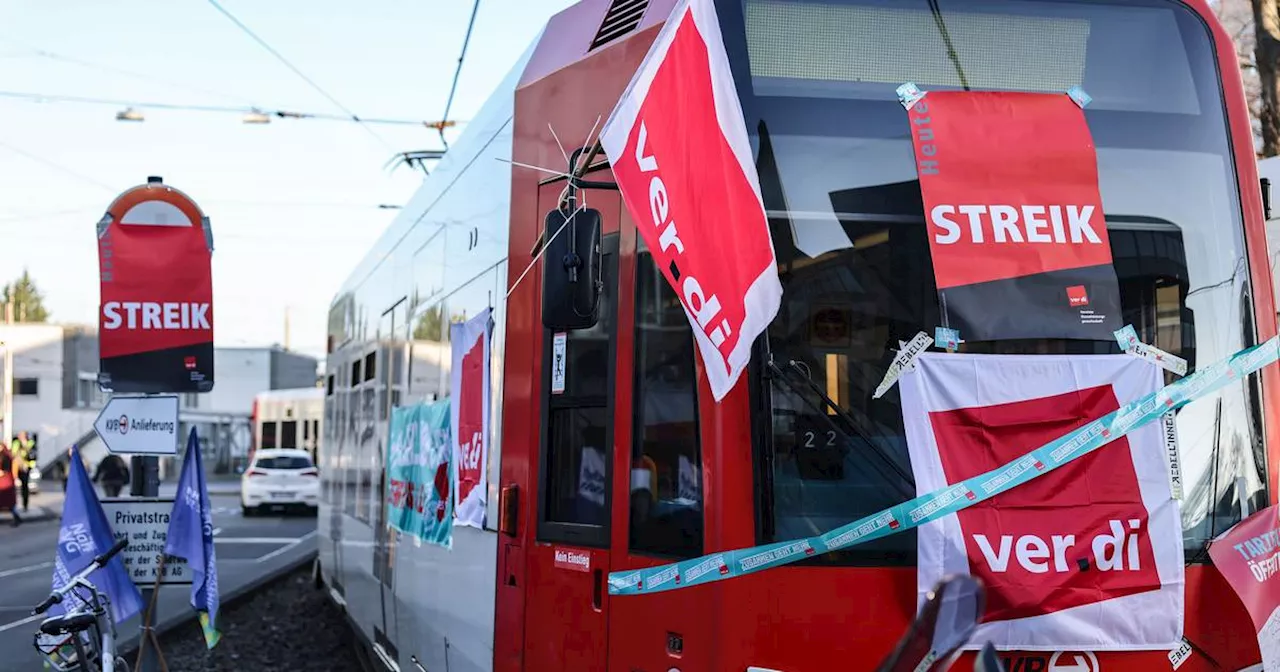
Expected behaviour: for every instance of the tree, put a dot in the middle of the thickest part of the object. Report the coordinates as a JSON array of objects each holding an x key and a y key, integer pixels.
[
  {"x": 429, "y": 325},
  {"x": 26, "y": 299},
  {"x": 1239, "y": 18}
]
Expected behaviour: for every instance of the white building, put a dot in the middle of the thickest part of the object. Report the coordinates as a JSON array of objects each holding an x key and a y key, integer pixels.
[{"x": 56, "y": 397}]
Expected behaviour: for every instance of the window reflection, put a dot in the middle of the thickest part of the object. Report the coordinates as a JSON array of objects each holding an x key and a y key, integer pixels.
[{"x": 666, "y": 462}]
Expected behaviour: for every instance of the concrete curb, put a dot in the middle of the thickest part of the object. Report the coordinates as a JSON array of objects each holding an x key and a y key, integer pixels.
[
  {"x": 45, "y": 514},
  {"x": 128, "y": 648}
]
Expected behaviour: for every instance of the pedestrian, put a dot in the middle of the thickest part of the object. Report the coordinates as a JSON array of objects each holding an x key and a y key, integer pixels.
[
  {"x": 8, "y": 497},
  {"x": 113, "y": 473},
  {"x": 24, "y": 449}
]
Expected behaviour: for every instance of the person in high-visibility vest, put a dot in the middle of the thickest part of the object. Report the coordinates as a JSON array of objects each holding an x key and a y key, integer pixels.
[{"x": 24, "y": 461}]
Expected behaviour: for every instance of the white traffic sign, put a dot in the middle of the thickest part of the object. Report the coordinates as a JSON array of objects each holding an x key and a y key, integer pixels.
[
  {"x": 145, "y": 522},
  {"x": 140, "y": 425}
]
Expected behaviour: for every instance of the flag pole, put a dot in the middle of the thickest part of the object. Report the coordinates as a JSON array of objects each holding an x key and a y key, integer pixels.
[{"x": 148, "y": 632}]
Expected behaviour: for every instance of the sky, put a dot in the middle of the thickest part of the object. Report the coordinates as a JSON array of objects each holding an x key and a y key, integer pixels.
[{"x": 294, "y": 203}]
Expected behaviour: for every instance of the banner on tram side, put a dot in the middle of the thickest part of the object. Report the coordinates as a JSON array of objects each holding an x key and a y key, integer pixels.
[
  {"x": 469, "y": 385},
  {"x": 1069, "y": 557},
  {"x": 1014, "y": 215},
  {"x": 679, "y": 151},
  {"x": 1248, "y": 556},
  {"x": 155, "y": 318},
  {"x": 419, "y": 468}
]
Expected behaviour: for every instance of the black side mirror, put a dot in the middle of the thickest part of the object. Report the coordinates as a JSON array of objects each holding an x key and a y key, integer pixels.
[
  {"x": 571, "y": 269},
  {"x": 951, "y": 612}
]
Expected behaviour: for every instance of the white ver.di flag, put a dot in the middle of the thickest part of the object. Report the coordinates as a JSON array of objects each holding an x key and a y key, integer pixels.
[
  {"x": 680, "y": 154},
  {"x": 469, "y": 383},
  {"x": 1086, "y": 557}
]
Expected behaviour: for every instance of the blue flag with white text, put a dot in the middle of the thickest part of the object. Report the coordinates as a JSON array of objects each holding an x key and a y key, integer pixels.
[
  {"x": 191, "y": 537},
  {"x": 84, "y": 535}
]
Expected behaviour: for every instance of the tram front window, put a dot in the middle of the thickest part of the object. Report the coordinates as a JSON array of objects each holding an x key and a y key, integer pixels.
[{"x": 837, "y": 174}]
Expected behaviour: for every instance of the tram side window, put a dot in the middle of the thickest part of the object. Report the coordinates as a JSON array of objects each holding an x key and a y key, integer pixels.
[
  {"x": 289, "y": 434},
  {"x": 577, "y": 457},
  {"x": 268, "y": 435},
  {"x": 666, "y": 460}
]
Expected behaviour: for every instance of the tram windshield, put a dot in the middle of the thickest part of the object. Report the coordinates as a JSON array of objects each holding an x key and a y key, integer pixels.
[{"x": 817, "y": 81}]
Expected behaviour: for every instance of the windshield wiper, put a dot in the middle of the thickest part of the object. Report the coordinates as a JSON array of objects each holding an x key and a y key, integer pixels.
[{"x": 847, "y": 425}]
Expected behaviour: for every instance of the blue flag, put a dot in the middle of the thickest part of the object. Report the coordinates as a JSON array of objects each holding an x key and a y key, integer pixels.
[
  {"x": 191, "y": 538},
  {"x": 84, "y": 535}
]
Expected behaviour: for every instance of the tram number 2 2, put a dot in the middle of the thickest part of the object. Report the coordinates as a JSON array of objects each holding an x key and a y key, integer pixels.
[{"x": 818, "y": 439}]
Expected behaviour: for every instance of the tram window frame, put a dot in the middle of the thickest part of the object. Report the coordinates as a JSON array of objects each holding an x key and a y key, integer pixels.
[{"x": 566, "y": 403}]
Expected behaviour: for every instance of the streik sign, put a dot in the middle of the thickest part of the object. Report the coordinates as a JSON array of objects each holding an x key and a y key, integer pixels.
[
  {"x": 680, "y": 154},
  {"x": 155, "y": 322}
]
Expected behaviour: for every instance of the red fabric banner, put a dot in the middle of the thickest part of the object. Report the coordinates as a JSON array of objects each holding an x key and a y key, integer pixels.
[
  {"x": 1014, "y": 215},
  {"x": 1248, "y": 556},
  {"x": 680, "y": 154},
  {"x": 155, "y": 317}
]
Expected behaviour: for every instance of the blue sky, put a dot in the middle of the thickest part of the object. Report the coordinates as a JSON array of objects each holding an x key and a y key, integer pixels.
[{"x": 293, "y": 203}]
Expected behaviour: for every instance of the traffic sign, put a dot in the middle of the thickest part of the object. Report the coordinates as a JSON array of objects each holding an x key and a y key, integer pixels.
[
  {"x": 145, "y": 522},
  {"x": 155, "y": 315},
  {"x": 140, "y": 425}
]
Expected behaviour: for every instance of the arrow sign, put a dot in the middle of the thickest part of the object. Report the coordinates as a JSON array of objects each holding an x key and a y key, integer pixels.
[{"x": 140, "y": 425}]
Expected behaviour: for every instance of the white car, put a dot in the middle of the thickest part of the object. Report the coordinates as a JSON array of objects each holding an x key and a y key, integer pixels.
[{"x": 278, "y": 478}]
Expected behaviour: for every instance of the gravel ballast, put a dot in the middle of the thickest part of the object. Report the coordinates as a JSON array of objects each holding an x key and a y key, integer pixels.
[{"x": 288, "y": 625}]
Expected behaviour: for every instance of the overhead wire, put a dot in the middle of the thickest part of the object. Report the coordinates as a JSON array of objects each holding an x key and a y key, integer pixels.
[
  {"x": 44, "y": 53},
  {"x": 457, "y": 73},
  {"x": 56, "y": 166},
  {"x": 263, "y": 43},
  {"x": 188, "y": 107}
]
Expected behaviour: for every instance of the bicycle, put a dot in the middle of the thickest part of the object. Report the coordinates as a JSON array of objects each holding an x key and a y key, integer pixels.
[{"x": 84, "y": 638}]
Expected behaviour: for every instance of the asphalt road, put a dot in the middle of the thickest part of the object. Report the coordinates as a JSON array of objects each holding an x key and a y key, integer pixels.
[{"x": 246, "y": 549}]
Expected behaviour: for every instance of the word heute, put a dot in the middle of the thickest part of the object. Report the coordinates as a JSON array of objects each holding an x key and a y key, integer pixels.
[
  {"x": 703, "y": 308},
  {"x": 1034, "y": 554},
  {"x": 150, "y": 315},
  {"x": 1041, "y": 223}
]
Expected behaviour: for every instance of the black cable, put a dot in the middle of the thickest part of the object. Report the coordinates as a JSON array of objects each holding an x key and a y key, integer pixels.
[
  {"x": 299, "y": 73},
  {"x": 457, "y": 72},
  {"x": 946, "y": 38},
  {"x": 58, "y": 167},
  {"x": 283, "y": 114}
]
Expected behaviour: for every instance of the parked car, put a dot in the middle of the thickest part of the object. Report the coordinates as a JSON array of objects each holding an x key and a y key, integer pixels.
[{"x": 280, "y": 479}]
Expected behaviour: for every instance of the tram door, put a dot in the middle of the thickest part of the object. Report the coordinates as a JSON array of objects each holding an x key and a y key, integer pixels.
[{"x": 566, "y": 599}]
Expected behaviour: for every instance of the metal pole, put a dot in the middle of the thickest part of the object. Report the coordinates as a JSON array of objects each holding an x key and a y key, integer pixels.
[
  {"x": 144, "y": 479},
  {"x": 6, "y": 408}
]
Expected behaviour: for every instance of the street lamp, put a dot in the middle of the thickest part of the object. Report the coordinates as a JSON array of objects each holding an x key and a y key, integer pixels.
[
  {"x": 129, "y": 114},
  {"x": 255, "y": 116}
]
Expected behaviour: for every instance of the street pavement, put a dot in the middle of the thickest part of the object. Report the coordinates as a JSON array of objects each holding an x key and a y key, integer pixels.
[{"x": 247, "y": 549}]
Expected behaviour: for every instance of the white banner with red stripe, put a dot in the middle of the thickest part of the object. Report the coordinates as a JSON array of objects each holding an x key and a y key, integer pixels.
[
  {"x": 1086, "y": 557},
  {"x": 469, "y": 387}
]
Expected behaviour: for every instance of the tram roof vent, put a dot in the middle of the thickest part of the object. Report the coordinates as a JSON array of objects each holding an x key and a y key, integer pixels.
[{"x": 623, "y": 17}]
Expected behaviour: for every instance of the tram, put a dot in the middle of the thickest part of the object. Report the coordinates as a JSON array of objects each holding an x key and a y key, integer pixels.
[{"x": 631, "y": 463}]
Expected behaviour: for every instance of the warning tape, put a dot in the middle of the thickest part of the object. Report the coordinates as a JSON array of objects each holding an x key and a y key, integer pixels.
[{"x": 944, "y": 502}]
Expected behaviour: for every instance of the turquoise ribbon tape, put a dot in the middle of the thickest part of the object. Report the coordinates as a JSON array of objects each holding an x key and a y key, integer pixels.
[{"x": 962, "y": 495}]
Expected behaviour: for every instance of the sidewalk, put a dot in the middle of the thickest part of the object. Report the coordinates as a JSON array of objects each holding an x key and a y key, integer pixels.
[{"x": 47, "y": 504}]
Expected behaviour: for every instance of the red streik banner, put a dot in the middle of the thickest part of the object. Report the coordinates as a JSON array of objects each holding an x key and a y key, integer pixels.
[
  {"x": 1014, "y": 215},
  {"x": 1248, "y": 556},
  {"x": 155, "y": 317},
  {"x": 680, "y": 154}
]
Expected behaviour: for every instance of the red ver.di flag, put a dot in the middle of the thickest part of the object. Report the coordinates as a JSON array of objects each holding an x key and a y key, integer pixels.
[
  {"x": 1014, "y": 215},
  {"x": 155, "y": 318},
  {"x": 1070, "y": 557},
  {"x": 469, "y": 382},
  {"x": 1248, "y": 556},
  {"x": 680, "y": 154}
]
